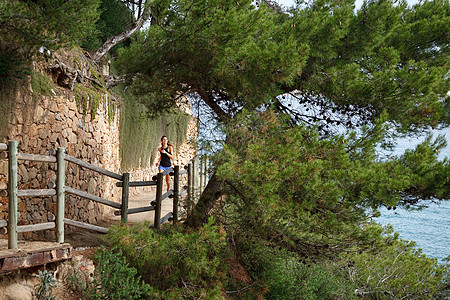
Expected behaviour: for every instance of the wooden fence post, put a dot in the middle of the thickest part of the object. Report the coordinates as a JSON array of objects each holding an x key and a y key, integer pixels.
[
  {"x": 201, "y": 174},
  {"x": 190, "y": 187},
  {"x": 12, "y": 195},
  {"x": 159, "y": 186},
  {"x": 204, "y": 168},
  {"x": 207, "y": 169},
  {"x": 60, "y": 194},
  {"x": 125, "y": 194},
  {"x": 176, "y": 192},
  {"x": 195, "y": 180}
]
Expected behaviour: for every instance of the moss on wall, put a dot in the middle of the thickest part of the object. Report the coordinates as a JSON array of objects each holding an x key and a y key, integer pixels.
[
  {"x": 8, "y": 91},
  {"x": 140, "y": 136}
]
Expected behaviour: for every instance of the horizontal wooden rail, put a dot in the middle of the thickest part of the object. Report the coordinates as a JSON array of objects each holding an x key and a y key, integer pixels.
[
  {"x": 168, "y": 171},
  {"x": 137, "y": 183},
  {"x": 92, "y": 167},
  {"x": 36, "y": 157},
  {"x": 163, "y": 197},
  {"x": 85, "y": 225},
  {"x": 3, "y": 223},
  {"x": 183, "y": 172},
  {"x": 36, "y": 227},
  {"x": 165, "y": 218},
  {"x": 181, "y": 193},
  {"x": 92, "y": 197},
  {"x": 3, "y": 147},
  {"x": 36, "y": 193},
  {"x": 166, "y": 194},
  {"x": 136, "y": 210}
]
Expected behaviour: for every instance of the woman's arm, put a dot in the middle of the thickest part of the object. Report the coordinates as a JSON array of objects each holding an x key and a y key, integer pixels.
[{"x": 159, "y": 158}]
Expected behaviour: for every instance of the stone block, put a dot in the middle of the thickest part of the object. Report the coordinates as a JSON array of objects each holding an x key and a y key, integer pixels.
[
  {"x": 52, "y": 106},
  {"x": 32, "y": 172},
  {"x": 39, "y": 114},
  {"x": 24, "y": 172}
]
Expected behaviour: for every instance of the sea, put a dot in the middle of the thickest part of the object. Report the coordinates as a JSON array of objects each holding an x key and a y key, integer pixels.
[{"x": 429, "y": 227}]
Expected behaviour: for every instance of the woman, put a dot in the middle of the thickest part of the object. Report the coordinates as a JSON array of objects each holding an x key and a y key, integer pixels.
[{"x": 164, "y": 161}]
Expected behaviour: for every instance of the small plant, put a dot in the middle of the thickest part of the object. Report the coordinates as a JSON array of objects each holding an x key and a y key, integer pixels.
[
  {"x": 114, "y": 279},
  {"x": 43, "y": 290}
]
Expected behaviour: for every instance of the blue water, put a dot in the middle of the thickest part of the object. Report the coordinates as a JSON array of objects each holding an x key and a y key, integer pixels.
[{"x": 430, "y": 227}]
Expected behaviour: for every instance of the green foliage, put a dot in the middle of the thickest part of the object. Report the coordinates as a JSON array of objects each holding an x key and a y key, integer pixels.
[
  {"x": 202, "y": 47},
  {"x": 176, "y": 264},
  {"x": 387, "y": 56},
  {"x": 41, "y": 84},
  {"x": 115, "y": 17},
  {"x": 89, "y": 99},
  {"x": 311, "y": 194},
  {"x": 395, "y": 269},
  {"x": 384, "y": 57},
  {"x": 43, "y": 290},
  {"x": 7, "y": 102},
  {"x": 113, "y": 278},
  {"x": 29, "y": 25},
  {"x": 288, "y": 276},
  {"x": 140, "y": 136},
  {"x": 431, "y": 177},
  {"x": 13, "y": 65},
  {"x": 444, "y": 290}
]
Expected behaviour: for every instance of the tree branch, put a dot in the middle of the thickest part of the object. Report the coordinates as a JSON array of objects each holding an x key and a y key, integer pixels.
[
  {"x": 114, "y": 40},
  {"x": 208, "y": 99}
]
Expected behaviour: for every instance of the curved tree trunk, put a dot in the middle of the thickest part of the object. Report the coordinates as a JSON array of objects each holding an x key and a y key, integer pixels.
[
  {"x": 211, "y": 194},
  {"x": 114, "y": 40}
]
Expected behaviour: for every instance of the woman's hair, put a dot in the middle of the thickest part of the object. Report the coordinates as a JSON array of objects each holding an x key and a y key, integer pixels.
[{"x": 163, "y": 137}]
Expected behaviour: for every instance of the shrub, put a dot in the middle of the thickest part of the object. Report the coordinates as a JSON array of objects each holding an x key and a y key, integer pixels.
[
  {"x": 114, "y": 279},
  {"x": 176, "y": 264},
  {"x": 394, "y": 269},
  {"x": 288, "y": 276}
]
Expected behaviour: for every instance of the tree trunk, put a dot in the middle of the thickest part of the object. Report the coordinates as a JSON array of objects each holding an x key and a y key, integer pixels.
[
  {"x": 114, "y": 40},
  {"x": 211, "y": 194}
]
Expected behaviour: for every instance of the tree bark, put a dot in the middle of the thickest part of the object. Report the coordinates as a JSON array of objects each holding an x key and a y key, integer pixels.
[
  {"x": 114, "y": 40},
  {"x": 211, "y": 194}
]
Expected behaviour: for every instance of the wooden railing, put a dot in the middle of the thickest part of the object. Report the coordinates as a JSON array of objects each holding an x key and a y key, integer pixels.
[{"x": 195, "y": 170}]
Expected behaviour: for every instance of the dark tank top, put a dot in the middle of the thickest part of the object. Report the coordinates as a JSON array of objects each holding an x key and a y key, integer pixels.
[{"x": 165, "y": 159}]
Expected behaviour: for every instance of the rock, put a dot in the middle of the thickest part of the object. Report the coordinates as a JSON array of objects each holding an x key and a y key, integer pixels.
[
  {"x": 51, "y": 217},
  {"x": 17, "y": 291},
  {"x": 53, "y": 107},
  {"x": 24, "y": 172},
  {"x": 39, "y": 114}
]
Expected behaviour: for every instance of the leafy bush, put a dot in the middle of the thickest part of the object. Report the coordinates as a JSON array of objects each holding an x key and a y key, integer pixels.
[
  {"x": 114, "y": 279},
  {"x": 395, "y": 269},
  {"x": 288, "y": 276},
  {"x": 176, "y": 264}
]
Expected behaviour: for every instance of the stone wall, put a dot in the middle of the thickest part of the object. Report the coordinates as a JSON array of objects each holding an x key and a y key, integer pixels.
[
  {"x": 53, "y": 122},
  {"x": 48, "y": 122}
]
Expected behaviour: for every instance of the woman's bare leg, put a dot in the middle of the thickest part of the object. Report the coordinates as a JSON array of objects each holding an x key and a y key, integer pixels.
[{"x": 168, "y": 181}]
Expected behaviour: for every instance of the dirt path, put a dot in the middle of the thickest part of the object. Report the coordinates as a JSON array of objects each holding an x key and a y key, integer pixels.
[{"x": 144, "y": 199}]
